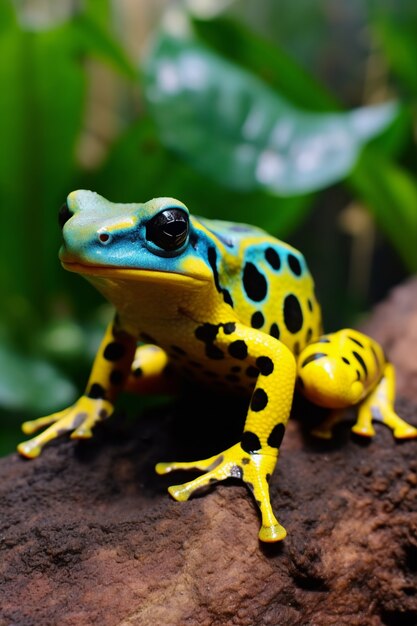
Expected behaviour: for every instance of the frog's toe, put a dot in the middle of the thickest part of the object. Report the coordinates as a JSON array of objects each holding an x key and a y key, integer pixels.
[
  {"x": 33, "y": 426},
  {"x": 29, "y": 449},
  {"x": 363, "y": 430},
  {"x": 29, "y": 428},
  {"x": 204, "y": 466},
  {"x": 271, "y": 534},
  {"x": 216, "y": 469},
  {"x": 181, "y": 493},
  {"x": 405, "y": 431},
  {"x": 163, "y": 468}
]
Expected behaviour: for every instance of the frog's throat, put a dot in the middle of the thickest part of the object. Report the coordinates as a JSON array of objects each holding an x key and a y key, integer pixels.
[{"x": 134, "y": 274}]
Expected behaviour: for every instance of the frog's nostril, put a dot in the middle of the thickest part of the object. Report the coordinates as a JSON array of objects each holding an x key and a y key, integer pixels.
[{"x": 64, "y": 215}]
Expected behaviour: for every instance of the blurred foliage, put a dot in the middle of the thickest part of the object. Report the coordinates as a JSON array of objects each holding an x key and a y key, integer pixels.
[{"x": 244, "y": 123}]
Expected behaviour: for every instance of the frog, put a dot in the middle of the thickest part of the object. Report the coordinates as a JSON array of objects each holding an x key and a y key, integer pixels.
[
  {"x": 348, "y": 368},
  {"x": 223, "y": 304}
]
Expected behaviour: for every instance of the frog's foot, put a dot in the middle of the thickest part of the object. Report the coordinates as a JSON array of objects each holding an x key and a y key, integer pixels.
[
  {"x": 382, "y": 412},
  {"x": 254, "y": 469},
  {"x": 79, "y": 418},
  {"x": 379, "y": 406}
]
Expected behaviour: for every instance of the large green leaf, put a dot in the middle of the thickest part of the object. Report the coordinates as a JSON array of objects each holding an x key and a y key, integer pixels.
[{"x": 241, "y": 133}]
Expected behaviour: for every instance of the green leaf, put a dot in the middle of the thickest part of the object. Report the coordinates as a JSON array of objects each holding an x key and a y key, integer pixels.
[
  {"x": 29, "y": 384},
  {"x": 391, "y": 195},
  {"x": 241, "y": 133},
  {"x": 269, "y": 62}
]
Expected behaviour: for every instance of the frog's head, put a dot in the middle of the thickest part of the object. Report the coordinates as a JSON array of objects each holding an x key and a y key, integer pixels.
[{"x": 150, "y": 241}]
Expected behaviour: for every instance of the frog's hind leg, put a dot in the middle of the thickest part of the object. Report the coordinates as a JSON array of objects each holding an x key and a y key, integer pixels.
[{"x": 379, "y": 406}]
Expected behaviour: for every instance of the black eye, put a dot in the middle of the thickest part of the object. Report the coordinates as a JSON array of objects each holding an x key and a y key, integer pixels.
[
  {"x": 169, "y": 229},
  {"x": 64, "y": 215}
]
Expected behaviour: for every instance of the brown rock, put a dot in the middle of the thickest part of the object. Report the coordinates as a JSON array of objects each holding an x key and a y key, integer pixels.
[{"x": 89, "y": 535}]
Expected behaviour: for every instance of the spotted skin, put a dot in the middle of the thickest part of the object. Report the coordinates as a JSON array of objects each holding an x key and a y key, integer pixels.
[
  {"x": 348, "y": 368},
  {"x": 223, "y": 304}
]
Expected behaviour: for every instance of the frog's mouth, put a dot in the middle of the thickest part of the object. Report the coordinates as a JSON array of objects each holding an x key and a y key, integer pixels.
[{"x": 133, "y": 274}]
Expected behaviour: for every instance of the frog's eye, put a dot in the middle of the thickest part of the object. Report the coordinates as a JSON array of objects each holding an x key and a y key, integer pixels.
[
  {"x": 64, "y": 215},
  {"x": 168, "y": 230}
]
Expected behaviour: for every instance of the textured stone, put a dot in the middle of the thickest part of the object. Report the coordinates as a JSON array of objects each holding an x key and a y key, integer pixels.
[{"x": 89, "y": 535}]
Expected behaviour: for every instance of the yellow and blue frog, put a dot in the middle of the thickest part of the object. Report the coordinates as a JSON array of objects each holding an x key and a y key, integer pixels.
[{"x": 225, "y": 305}]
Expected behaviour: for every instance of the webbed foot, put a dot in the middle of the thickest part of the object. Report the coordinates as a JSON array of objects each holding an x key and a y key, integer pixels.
[
  {"x": 254, "y": 469},
  {"x": 79, "y": 418}
]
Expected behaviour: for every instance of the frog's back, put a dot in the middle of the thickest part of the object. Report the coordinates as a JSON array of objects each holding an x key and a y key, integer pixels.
[{"x": 267, "y": 282}]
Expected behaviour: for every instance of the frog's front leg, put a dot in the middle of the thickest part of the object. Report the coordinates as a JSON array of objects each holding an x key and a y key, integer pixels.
[
  {"x": 253, "y": 459},
  {"x": 109, "y": 373}
]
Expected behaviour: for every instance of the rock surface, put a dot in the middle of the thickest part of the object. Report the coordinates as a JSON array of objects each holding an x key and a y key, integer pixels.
[{"x": 89, "y": 535}]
